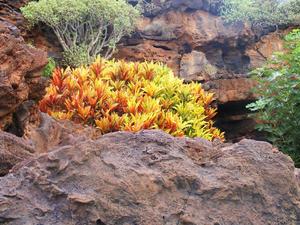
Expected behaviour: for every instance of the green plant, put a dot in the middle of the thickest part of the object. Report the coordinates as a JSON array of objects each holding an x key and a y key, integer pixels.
[
  {"x": 49, "y": 68},
  {"x": 84, "y": 28},
  {"x": 151, "y": 7},
  {"x": 278, "y": 108},
  {"x": 262, "y": 12},
  {"x": 115, "y": 95}
]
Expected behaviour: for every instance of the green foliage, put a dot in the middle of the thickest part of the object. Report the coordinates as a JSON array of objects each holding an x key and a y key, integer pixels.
[
  {"x": 279, "y": 105},
  {"x": 262, "y": 12},
  {"x": 84, "y": 27},
  {"x": 76, "y": 56},
  {"x": 115, "y": 95},
  {"x": 49, "y": 68},
  {"x": 152, "y": 7}
]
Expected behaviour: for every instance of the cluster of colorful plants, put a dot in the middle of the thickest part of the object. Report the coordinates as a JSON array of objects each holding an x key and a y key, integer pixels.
[{"x": 116, "y": 95}]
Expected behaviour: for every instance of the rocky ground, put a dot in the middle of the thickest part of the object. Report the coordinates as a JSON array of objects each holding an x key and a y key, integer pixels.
[{"x": 61, "y": 173}]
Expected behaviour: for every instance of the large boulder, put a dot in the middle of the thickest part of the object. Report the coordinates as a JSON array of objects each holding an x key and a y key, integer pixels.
[{"x": 152, "y": 178}]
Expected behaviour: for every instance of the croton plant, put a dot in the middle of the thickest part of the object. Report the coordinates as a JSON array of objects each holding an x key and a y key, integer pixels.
[{"x": 116, "y": 95}]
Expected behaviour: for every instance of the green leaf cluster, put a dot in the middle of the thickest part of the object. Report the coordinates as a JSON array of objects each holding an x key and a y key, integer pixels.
[
  {"x": 262, "y": 12},
  {"x": 279, "y": 105},
  {"x": 49, "y": 68}
]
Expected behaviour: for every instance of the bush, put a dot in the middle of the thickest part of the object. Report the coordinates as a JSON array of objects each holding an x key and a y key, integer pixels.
[
  {"x": 115, "y": 95},
  {"x": 49, "y": 68},
  {"x": 279, "y": 105},
  {"x": 152, "y": 8},
  {"x": 262, "y": 12},
  {"x": 84, "y": 27}
]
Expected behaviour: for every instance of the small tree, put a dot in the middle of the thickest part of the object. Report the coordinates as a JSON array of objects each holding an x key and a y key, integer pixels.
[
  {"x": 262, "y": 12},
  {"x": 84, "y": 28}
]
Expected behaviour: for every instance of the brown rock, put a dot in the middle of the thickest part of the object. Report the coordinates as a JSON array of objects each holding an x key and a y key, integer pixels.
[
  {"x": 12, "y": 151},
  {"x": 233, "y": 90},
  {"x": 152, "y": 51},
  {"x": 197, "y": 28},
  {"x": 20, "y": 70},
  {"x": 40, "y": 134},
  {"x": 27, "y": 114},
  {"x": 50, "y": 134},
  {"x": 153, "y": 178},
  {"x": 10, "y": 12},
  {"x": 172, "y": 36},
  {"x": 195, "y": 67},
  {"x": 265, "y": 48}
]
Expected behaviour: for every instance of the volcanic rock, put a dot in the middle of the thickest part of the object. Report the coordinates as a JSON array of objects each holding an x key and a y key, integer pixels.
[
  {"x": 20, "y": 71},
  {"x": 153, "y": 178},
  {"x": 38, "y": 133},
  {"x": 13, "y": 150},
  {"x": 233, "y": 90}
]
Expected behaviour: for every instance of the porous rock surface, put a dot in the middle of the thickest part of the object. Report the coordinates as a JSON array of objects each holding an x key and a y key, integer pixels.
[
  {"x": 40, "y": 134},
  {"x": 13, "y": 150},
  {"x": 152, "y": 178},
  {"x": 20, "y": 71}
]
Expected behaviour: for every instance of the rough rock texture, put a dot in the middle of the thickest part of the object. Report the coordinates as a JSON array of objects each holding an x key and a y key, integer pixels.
[
  {"x": 233, "y": 90},
  {"x": 176, "y": 34},
  {"x": 26, "y": 115},
  {"x": 20, "y": 71},
  {"x": 20, "y": 66},
  {"x": 49, "y": 133},
  {"x": 9, "y": 12},
  {"x": 39, "y": 133},
  {"x": 40, "y": 37},
  {"x": 196, "y": 67},
  {"x": 13, "y": 150},
  {"x": 152, "y": 178},
  {"x": 264, "y": 49}
]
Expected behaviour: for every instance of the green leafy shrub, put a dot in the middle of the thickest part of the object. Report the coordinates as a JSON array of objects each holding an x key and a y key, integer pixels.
[
  {"x": 279, "y": 105},
  {"x": 151, "y": 8},
  {"x": 262, "y": 12},
  {"x": 49, "y": 68},
  {"x": 115, "y": 95},
  {"x": 84, "y": 28}
]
